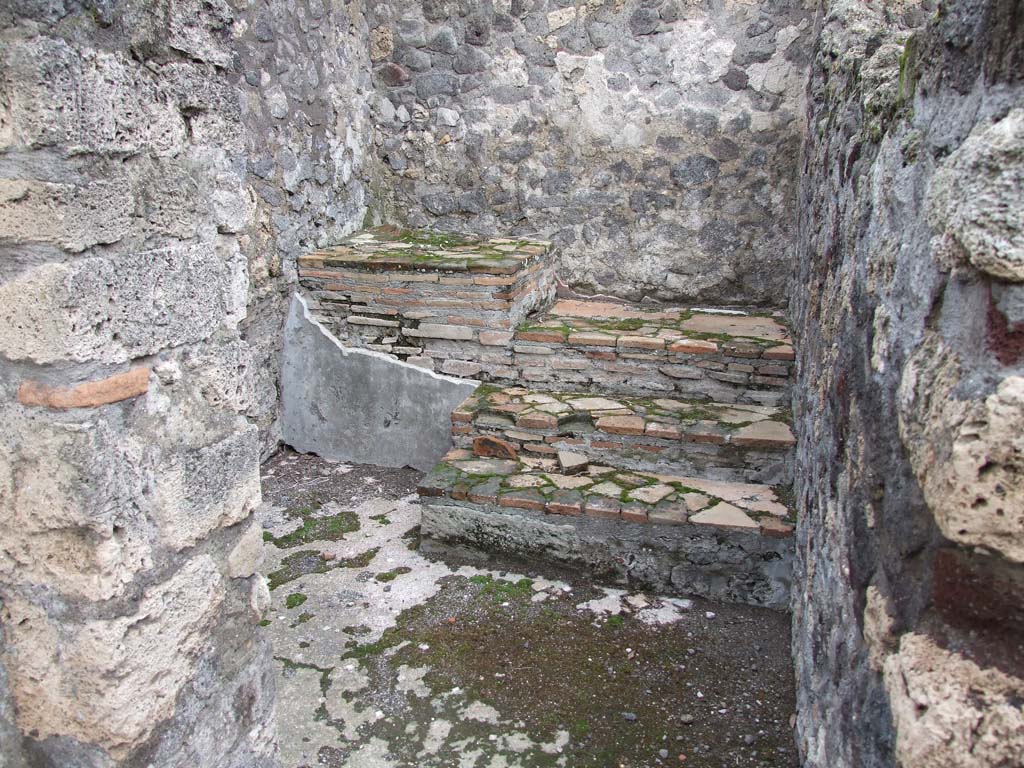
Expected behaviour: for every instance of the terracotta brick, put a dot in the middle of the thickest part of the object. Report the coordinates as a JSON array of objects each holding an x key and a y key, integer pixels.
[
  {"x": 634, "y": 513},
  {"x": 368, "y": 277},
  {"x": 113, "y": 389},
  {"x": 674, "y": 514},
  {"x": 773, "y": 370},
  {"x": 564, "y": 506},
  {"x": 462, "y": 429},
  {"x": 600, "y": 507},
  {"x": 537, "y": 421},
  {"x": 484, "y": 493},
  {"x": 707, "y": 436},
  {"x": 693, "y": 347},
  {"x": 494, "y": 447},
  {"x": 495, "y": 338},
  {"x": 430, "y": 490},
  {"x": 621, "y": 425},
  {"x": 663, "y": 431},
  {"x": 602, "y": 355},
  {"x": 462, "y": 416},
  {"x": 587, "y": 339},
  {"x": 541, "y": 336},
  {"x": 651, "y": 448},
  {"x": 781, "y": 352},
  {"x": 605, "y": 445},
  {"x": 493, "y": 280},
  {"x": 742, "y": 349},
  {"x": 324, "y": 274},
  {"x": 522, "y": 500},
  {"x": 641, "y": 342}
]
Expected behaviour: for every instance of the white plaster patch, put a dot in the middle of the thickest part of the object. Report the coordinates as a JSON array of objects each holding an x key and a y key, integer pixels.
[
  {"x": 668, "y": 612},
  {"x": 485, "y": 713},
  {"x": 437, "y": 734},
  {"x": 561, "y": 741},
  {"x": 410, "y": 680},
  {"x": 611, "y": 603}
]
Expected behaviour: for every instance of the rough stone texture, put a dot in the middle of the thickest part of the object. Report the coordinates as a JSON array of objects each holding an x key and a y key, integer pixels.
[
  {"x": 162, "y": 164},
  {"x": 907, "y": 605},
  {"x": 358, "y": 405},
  {"x": 713, "y": 562},
  {"x": 655, "y": 143}
]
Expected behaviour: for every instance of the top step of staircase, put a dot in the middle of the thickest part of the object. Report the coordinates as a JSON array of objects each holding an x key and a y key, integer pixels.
[{"x": 392, "y": 249}]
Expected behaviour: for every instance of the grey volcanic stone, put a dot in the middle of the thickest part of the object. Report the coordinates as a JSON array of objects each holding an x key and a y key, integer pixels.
[
  {"x": 644, "y": 21},
  {"x": 694, "y": 171},
  {"x": 600, "y": 85},
  {"x": 444, "y": 41},
  {"x": 436, "y": 83}
]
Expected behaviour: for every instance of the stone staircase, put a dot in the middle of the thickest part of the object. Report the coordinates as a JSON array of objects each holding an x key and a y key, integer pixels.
[{"x": 646, "y": 444}]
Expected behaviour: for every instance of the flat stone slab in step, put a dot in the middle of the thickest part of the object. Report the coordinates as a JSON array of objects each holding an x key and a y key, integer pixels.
[
  {"x": 671, "y": 533},
  {"x": 392, "y": 248}
]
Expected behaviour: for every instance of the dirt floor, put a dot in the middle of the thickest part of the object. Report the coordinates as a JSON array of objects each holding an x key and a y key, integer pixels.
[{"x": 391, "y": 657}]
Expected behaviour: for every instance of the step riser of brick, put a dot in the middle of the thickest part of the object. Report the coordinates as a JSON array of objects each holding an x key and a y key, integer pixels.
[
  {"x": 714, "y": 461},
  {"x": 421, "y": 319},
  {"x": 622, "y": 370},
  {"x": 715, "y": 563},
  {"x": 489, "y": 301}
]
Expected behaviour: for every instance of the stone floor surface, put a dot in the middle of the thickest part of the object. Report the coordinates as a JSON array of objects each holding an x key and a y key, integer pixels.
[{"x": 389, "y": 658}]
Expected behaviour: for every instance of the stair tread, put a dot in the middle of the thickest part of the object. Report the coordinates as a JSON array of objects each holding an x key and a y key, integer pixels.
[
  {"x": 607, "y": 491},
  {"x": 390, "y": 248},
  {"x": 694, "y": 330},
  {"x": 653, "y": 418}
]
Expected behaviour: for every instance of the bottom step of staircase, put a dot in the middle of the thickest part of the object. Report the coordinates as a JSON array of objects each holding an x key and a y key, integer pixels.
[{"x": 679, "y": 535}]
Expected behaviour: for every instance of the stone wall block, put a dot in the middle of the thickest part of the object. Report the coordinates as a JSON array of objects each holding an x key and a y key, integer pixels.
[
  {"x": 977, "y": 198},
  {"x": 70, "y": 506},
  {"x": 109, "y": 682},
  {"x": 200, "y": 486},
  {"x": 72, "y": 217},
  {"x": 114, "y": 309}
]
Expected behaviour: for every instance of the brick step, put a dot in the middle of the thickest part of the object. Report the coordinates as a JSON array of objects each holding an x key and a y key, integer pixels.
[
  {"x": 720, "y": 441},
  {"x": 670, "y": 532},
  {"x": 721, "y": 355},
  {"x": 409, "y": 293}
]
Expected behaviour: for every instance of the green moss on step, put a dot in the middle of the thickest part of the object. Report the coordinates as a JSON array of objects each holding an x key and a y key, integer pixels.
[
  {"x": 391, "y": 575},
  {"x": 329, "y": 528},
  {"x": 307, "y": 561}
]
